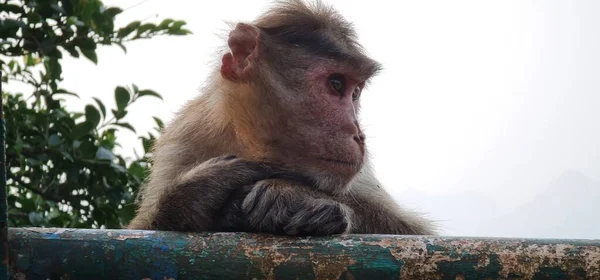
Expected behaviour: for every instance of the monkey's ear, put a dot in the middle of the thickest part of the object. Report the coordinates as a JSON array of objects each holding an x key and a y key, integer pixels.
[{"x": 243, "y": 42}]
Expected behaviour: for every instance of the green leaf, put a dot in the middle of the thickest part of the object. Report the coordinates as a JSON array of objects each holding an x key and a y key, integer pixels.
[
  {"x": 145, "y": 27},
  {"x": 72, "y": 20},
  {"x": 122, "y": 97},
  {"x": 137, "y": 170},
  {"x": 159, "y": 122},
  {"x": 165, "y": 23},
  {"x": 179, "y": 32},
  {"x": 177, "y": 25},
  {"x": 17, "y": 9},
  {"x": 33, "y": 162},
  {"x": 127, "y": 213},
  {"x": 67, "y": 156},
  {"x": 53, "y": 214},
  {"x": 11, "y": 65},
  {"x": 10, "y": 23},
  {"x": 76, "y": 116},
  {"x": 108, "y": 138},
  {"x": 119, "y": 114},
  {"x": 90, "y": 54},
  {"x": 121, "y": 46},
  {"x": 92, "y": 115},
  {"x": 53, "y": 68},
  {"x": 147, "y": 144},
  {"x": 87, "y": 150},
  {"x": 113, "y": 11},
  {"x": 29, "y": 61},
  {"x": 28, "y": 204},
  {"x": 82, "y": 129},
  {"x": 147, "y": 92},
  {"x": 125, "y": 125},
  {"x": 36, "y": 218},
  {"x": 71, "y": 50},
  {"x": 76, "y": 144},
  {"x": 118, "y": 168},
  {"x": 64, "y": 91},
  {"x": 123, "y": 32},
  {"x": 89, "y": 9},
  {"x": 54, "y": 140},
  {"x": 101, "y": 106},
  {"x": 104, "y": 154},
  {"x": 58, "y": 8},
  {"x": 48, "y": 46},
  {"x": 85, "y": 43}
]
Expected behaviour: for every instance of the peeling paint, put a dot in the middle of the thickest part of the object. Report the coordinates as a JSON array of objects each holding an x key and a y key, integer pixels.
[
  {"x": 267, "y": 258},
  {"x": 125, "y": 237},
  {"x": 330, "y": 266}
]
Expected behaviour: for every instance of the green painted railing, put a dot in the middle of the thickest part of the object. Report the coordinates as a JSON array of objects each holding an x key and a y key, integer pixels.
[{"x": 36, "y": 253}]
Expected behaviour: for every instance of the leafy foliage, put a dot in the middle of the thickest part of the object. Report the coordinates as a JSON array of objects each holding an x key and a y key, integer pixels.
[{"x": 63, "y": 170}]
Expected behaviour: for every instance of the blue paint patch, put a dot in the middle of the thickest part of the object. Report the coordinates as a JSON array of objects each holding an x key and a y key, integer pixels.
[
  {"x": 433, "y": 248},
  {"x": 51, "y": 236},
  {"x": 377, "y": 266}
]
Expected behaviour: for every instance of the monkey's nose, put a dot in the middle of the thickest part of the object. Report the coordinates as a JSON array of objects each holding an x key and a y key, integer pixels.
[{"x": 359, "y": 138}]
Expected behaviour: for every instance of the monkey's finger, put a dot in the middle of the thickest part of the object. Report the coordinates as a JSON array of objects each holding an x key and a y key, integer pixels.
[{"x": 324, "y": 218}]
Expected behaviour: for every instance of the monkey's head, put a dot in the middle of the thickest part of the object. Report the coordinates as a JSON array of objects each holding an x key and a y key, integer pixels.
[{"x": 293, "y": 81}]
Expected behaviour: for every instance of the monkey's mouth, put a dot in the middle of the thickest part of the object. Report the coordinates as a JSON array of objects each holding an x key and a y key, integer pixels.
[{"x": 348, "y": 164}]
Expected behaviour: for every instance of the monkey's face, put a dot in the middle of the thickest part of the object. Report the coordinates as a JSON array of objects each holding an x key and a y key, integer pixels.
[
  {"x": 304, "y": 105},
  {"x": 322, "y": 119},
  {"x": 315, "y": 103}
]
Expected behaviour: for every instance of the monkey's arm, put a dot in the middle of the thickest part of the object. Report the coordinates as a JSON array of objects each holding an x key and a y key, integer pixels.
[
  {"x": 292, "y": 208},
  {"x": 197, "y": 198}
]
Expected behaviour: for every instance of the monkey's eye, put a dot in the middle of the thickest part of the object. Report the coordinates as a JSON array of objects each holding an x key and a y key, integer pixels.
[
  {"x": 356, "y": 93},
  {"x": 338, "y": 83}
]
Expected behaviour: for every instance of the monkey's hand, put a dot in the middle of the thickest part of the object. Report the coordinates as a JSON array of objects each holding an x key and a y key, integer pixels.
[{"x": 283, "y": 207}]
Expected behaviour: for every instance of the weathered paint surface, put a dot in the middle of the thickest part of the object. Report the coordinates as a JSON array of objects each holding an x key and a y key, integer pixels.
[{"x": 37, "y": 253}]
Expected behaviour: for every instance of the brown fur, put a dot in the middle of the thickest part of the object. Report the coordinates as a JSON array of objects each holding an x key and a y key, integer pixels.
[{"x": 267, "y": 103}]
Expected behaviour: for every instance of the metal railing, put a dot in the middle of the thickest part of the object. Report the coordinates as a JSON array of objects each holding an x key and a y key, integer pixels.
[{"x": 58, "y": 253}]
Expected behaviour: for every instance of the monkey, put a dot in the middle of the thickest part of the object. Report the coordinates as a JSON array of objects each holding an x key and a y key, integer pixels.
[{"x": 273, "y": 144}]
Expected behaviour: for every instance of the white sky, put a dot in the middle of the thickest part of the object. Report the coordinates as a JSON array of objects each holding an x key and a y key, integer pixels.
[{"x": 482, "y": 104}]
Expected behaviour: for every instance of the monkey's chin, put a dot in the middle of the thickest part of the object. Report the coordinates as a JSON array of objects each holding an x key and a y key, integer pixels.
[
  {"x": 334, "y": 177},
  {"x": 344, "y": 169}
]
